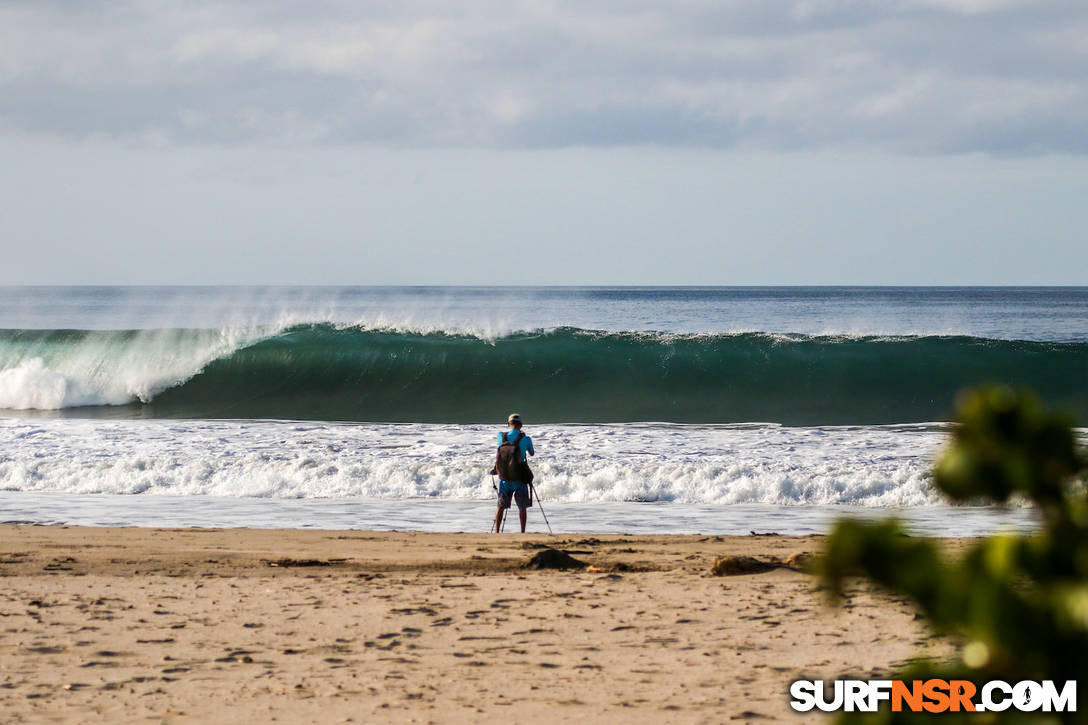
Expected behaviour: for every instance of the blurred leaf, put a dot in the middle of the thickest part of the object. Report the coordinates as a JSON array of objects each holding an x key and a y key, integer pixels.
[{"x": 1018, "y": 603}]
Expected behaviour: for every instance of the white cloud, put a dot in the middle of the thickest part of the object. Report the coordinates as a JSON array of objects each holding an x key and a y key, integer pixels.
[
  {"x": 979, "y": 7},
  {"x": 225, "y": 44},
  {"x": 900, "y": 75},
  {"x": 508, "y": 106},
  {"x": 895, "y": 101}
]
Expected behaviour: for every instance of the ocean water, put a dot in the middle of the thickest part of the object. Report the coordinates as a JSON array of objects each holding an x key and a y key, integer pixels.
[{"x": 712, "y": 410}]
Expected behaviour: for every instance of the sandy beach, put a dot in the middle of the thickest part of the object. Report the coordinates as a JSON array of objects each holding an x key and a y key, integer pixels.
[{"x": 232, "y": 626}]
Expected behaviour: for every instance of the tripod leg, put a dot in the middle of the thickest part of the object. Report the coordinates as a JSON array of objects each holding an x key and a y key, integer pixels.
[{"x": 537, "y": 497}]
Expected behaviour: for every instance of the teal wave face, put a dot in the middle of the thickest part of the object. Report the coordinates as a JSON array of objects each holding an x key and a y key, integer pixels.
[
  {"x": 570, "y": 375},
  {"x": 321, "y": 372}
]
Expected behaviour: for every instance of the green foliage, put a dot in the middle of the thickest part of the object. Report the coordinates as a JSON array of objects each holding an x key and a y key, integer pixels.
[{"x": 1017, "y": 604}]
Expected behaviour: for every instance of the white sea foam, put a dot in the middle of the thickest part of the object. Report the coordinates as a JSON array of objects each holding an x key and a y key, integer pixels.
[
  {"x": 107, "y": 368},
  {"x": 32, "y": 385},
  {"x": 754, "y": 464}
]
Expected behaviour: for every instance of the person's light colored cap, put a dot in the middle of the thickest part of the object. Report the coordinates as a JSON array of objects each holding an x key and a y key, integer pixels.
[{"x": 514, "y": 418}]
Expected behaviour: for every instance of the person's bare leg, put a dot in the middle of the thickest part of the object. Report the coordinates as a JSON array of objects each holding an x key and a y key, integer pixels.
[
  {"x": 522, "y": 515},
  {"x": 498, "y": 520}
]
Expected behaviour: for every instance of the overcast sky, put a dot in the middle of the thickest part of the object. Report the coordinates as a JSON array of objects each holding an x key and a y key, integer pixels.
[{"x": 717, "y": 142}]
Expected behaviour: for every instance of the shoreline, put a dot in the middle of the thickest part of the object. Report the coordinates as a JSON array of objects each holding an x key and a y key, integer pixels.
[
  {"x": 476, "y": 515},
  {"x": 229, "y": 625}
]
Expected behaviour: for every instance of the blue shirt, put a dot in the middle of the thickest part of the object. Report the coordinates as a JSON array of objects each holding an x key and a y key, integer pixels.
[{"x": 526, "y": 444}]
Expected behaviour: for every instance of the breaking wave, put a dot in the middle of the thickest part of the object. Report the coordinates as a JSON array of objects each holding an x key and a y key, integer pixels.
[
  {"x": 697, "y": 464},
  {"x": 329, "y": 372}
]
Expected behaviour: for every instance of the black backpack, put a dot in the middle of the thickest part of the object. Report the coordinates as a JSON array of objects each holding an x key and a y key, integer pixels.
[{"x": 508, "y": 463}]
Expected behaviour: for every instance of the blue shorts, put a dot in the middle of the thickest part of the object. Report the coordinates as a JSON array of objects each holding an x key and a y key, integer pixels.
[{"x": 517, "y": 491}]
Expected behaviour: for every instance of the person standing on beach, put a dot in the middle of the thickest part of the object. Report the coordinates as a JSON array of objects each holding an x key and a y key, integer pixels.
[{"x": 515, "y": 484}]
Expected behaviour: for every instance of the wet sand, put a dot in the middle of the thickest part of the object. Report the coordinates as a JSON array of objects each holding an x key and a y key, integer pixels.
[{"x": 298, "y": 626}]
